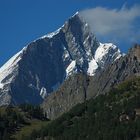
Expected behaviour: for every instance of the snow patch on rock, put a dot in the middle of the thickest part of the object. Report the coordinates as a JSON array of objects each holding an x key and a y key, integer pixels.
[
  {"x": 93, "y": 66},
  {"x": 9, "y": 67},
  {"x": 102, "y": 55},
  {"x": 107, "y": 52},
  {"x": 101, "y": 51},
  {"x": 71, "y": 68},
  {"x": 43, "y": 92}
]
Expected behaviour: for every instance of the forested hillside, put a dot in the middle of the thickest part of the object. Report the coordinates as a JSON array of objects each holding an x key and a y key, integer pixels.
[
  {"x": 13, "y": 119},
  {"x": 114, "y": 116}
]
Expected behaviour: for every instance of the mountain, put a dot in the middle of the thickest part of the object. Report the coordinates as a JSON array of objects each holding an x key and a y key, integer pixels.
[
  {"x": 44, "y": 64},
  {"x": 80, "y": 87}
]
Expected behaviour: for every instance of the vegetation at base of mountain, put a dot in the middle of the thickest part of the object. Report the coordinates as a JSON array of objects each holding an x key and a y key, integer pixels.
[
  {"x": 114, "y": 116},
  {"x": 34, "y": 111},
  {"x": 29, "y": 132},
  {"x": 14, "y": 119}
]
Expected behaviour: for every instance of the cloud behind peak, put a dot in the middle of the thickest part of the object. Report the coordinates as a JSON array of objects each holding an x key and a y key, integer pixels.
[{"x": 114, "y": 24}]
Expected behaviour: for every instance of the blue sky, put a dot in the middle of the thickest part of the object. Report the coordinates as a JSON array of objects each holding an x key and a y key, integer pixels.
[{"x": 22, "y": 21}]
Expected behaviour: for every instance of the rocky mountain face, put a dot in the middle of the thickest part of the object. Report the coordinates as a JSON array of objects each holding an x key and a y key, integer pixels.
[
  {"x": 72, "y": 92},
  {"x": 43, "y": 65},
  {"x": 81, "y": 87},
  {"x": 126, "y": 67}
]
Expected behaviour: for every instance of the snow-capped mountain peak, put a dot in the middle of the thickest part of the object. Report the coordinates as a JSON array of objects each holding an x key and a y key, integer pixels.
[{"x": 47, "y": 62}]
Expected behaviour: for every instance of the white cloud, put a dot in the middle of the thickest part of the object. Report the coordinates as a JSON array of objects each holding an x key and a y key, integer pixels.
[{"x": 114, "y": 24}]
